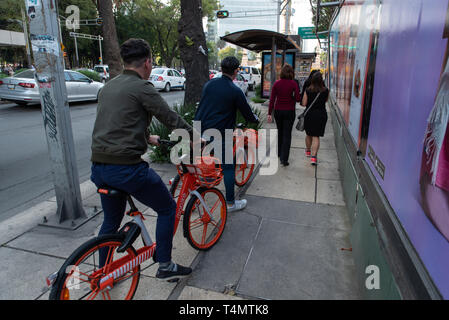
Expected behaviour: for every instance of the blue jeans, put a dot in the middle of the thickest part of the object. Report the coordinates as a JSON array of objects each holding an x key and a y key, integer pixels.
[
  {"x": 144, "y": 184},
  {"x": 229, "y": 180}
]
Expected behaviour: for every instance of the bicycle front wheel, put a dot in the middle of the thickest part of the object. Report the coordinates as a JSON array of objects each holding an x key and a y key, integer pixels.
[
  {"x": 203, "y": 228},
  {"x": 79, "y": 277}
]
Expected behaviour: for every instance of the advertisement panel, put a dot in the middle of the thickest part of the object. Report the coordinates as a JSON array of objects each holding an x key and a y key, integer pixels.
[
  {"x": 408, "y": 149},
  {"x": 266, "y": 69}
]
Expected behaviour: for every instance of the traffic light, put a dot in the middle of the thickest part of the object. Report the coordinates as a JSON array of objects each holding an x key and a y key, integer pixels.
[{"x": 222, "y": 14}]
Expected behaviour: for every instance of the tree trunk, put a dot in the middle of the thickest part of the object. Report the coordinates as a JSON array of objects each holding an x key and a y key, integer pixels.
[
  {"x": 111, "y": 46},
  {"x": 192, "y": 44}
]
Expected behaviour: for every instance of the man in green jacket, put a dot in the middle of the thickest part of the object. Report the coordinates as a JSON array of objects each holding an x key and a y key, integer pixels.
[{"x": 126, "y": 105}]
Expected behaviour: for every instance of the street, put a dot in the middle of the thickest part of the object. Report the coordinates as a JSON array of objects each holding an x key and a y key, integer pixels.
[{"x": 25, "y": 171}]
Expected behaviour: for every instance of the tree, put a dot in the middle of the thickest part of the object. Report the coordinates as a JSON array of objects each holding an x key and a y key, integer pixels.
[
  {"x": 226, "y": 52},
  {"x": 193, "y": 49},
  {"x": 325, "y": 15},
  {"x": 111, "y": 46}
]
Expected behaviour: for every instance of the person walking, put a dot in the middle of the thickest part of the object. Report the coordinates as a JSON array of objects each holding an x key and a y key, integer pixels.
[
  {"x": 307, "y": 82},
  {"x": 284, "y": 95},
  {"x": 315, "y": 99},
  {"x": 217, "y": 109}
]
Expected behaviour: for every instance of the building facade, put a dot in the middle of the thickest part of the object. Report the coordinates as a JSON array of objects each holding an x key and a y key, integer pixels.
[{"x": 257, "y": 19}]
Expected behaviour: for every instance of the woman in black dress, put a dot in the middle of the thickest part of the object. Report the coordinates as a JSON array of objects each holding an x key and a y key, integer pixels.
[{"x": 316, "y": 118}]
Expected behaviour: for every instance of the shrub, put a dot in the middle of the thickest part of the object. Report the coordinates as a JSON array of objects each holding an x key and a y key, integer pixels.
[
  {"x": 161, "y": 154},
  {"x": 258, "y": 100}
]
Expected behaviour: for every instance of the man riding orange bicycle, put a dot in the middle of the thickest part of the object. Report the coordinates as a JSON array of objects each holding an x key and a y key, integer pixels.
[{"x": 126, "y": 105}]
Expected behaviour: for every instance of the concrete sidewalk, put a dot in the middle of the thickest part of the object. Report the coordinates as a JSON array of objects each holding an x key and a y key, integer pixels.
[{"x": 287, "y": 243}]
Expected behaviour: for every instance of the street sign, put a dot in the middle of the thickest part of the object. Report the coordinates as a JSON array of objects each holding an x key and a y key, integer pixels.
[
  {"x": 309, "y": 33},
  {"x": 222, "y": 14}
]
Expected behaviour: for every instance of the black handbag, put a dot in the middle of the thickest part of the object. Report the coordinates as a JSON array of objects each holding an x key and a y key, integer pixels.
[{"x": 300, "y": 123}]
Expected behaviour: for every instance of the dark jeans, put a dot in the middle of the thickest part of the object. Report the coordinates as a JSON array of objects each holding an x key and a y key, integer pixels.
[
  {"x": 284, "y": 123},
  {"x": 144, "y": 184},
  {"x": 229, "y": 180}
]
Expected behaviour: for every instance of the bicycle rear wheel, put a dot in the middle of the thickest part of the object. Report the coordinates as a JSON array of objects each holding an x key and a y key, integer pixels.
[
  {"x": 201, "y": 229},
  {"x": 79, "y": 277},
  {"x": 244, "y": 171}
]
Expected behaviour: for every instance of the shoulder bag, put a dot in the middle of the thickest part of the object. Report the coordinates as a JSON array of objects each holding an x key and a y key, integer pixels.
[{"x": 300, "y": 124}]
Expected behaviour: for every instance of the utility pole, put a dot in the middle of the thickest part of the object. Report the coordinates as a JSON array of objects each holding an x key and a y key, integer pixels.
[{"x": 48, "y": 58}]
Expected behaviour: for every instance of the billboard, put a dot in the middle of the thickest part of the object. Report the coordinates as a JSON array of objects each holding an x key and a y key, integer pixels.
[
  {"x": 408, "y": 95},
  {"x": 266, "y": 69}
]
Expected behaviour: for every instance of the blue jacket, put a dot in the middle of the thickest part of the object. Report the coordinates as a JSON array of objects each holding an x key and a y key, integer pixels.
[{"x": 219, "y": 103}]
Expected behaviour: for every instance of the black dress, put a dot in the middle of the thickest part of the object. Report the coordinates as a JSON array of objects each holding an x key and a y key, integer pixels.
[{"x": 316, "y": 118}]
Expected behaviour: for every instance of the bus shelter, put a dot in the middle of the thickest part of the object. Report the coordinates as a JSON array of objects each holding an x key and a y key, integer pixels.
[{"x": 265, "y": 40}]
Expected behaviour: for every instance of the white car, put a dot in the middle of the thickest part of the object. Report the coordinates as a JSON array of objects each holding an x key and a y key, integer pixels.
[
  {"x": 103, "y": 70},
  {"x": 166, "y": 79},
  {"x": 22, "y": 88},
  {"x": 239, "y": 81},
  {"x": 252, "y": 75}
]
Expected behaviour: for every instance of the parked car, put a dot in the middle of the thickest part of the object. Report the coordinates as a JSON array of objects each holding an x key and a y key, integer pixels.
[
  {"x": 252, "y": 75},
  {"x": 239, "y": 81},
  {"x": 22, "y": 88},
  {"x": 103, "y": 70},
  {"x": 166, "y": 79}
]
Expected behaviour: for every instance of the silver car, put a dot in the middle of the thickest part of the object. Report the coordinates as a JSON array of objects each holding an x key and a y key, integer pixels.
[{"x": 22, "y": 89}]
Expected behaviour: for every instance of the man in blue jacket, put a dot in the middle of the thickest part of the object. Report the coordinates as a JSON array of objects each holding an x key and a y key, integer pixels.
[{"x": 219, "y": 103}]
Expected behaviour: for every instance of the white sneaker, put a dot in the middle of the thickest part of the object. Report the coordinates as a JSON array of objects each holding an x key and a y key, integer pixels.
[{"x": 238, "y": 205}]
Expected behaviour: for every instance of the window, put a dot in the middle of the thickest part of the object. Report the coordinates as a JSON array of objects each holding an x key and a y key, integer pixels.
[
  {"x": 177, "y": 74},
  {"x": 79, "y": 77},
  {"x": 99, "y": 69},
  {"x": 27, "y": 74},
  {"x": 255, "y": 71},
  {"x": 157, "y": 71},
  {"x": 170, "y": 73},
  {"x": 67, "y": 76}
]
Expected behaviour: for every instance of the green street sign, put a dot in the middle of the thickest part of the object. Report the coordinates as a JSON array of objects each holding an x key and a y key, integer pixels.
[{"x": 309, "y": 33}]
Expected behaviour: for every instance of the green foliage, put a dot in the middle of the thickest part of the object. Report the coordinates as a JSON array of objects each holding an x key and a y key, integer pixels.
[
  {"x": 226, "y": 52},
  {"x": 90, "y": 74},
  {"x": 258, "y": 100},
  {"x": 161, "y": 154},
  {"x": 241, "y": 119},
  {"x": 325, "y": 16}
]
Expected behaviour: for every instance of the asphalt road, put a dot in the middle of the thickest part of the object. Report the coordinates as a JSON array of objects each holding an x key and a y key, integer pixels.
[{"x": 25, "y": 171}]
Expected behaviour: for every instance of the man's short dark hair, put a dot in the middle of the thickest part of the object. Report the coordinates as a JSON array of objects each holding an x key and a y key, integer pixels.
[
  {"x": 229, "y": 65},
  {"x": 134, "y": 52}
]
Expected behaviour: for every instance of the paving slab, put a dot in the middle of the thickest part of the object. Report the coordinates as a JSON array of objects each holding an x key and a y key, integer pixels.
[
  {"x": 301, "y": 262},
  {"x": 289, "y": 184},
  {"x": 193, "y": 293},
  {"x": 330, "y": 192},
  {"x": 23, "y": 274},
  {"x": 220, "y": 268},
  {"x": 298, "y": 212}
]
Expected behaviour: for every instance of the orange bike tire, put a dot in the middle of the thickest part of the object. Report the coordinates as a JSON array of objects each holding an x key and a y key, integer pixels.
[
  {"x": 77, "y": 257},
  {"x": 193, "y": 201}
]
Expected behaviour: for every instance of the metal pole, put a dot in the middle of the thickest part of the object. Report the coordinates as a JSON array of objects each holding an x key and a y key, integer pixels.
[
  {"x": 76, "y": 50},
  {"x": 55, "y": 111},
  {"x": 60, "y": 39},
  {"x": 273, "y": 62},
  {"x": 101, "y": 52}
]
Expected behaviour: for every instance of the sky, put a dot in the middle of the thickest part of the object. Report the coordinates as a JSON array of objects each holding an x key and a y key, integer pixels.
[{"x": 303, "y": 18}]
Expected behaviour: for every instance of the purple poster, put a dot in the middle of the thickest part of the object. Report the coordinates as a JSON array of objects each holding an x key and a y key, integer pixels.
[{"x": 408, "y": 138}]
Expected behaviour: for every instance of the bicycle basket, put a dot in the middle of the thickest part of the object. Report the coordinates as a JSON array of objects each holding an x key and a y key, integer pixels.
[{"x": 206, "y": 170}]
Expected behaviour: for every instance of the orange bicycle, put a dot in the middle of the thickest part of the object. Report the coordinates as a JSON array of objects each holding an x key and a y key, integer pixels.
[
  {"x": 82, "y": 277},
  {"x": 244, "y": 151}
]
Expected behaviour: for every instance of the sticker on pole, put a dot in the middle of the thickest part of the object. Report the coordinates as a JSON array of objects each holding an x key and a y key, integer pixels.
[
  {"x": 44, "y": 44},
  {"x": 31, "y": 6}
]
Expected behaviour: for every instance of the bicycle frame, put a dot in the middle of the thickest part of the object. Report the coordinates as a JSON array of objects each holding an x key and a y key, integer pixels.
[{"x": 125, "y": 264}]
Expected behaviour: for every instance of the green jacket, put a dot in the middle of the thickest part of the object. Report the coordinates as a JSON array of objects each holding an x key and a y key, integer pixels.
[{"x": 126, "y": 105}]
